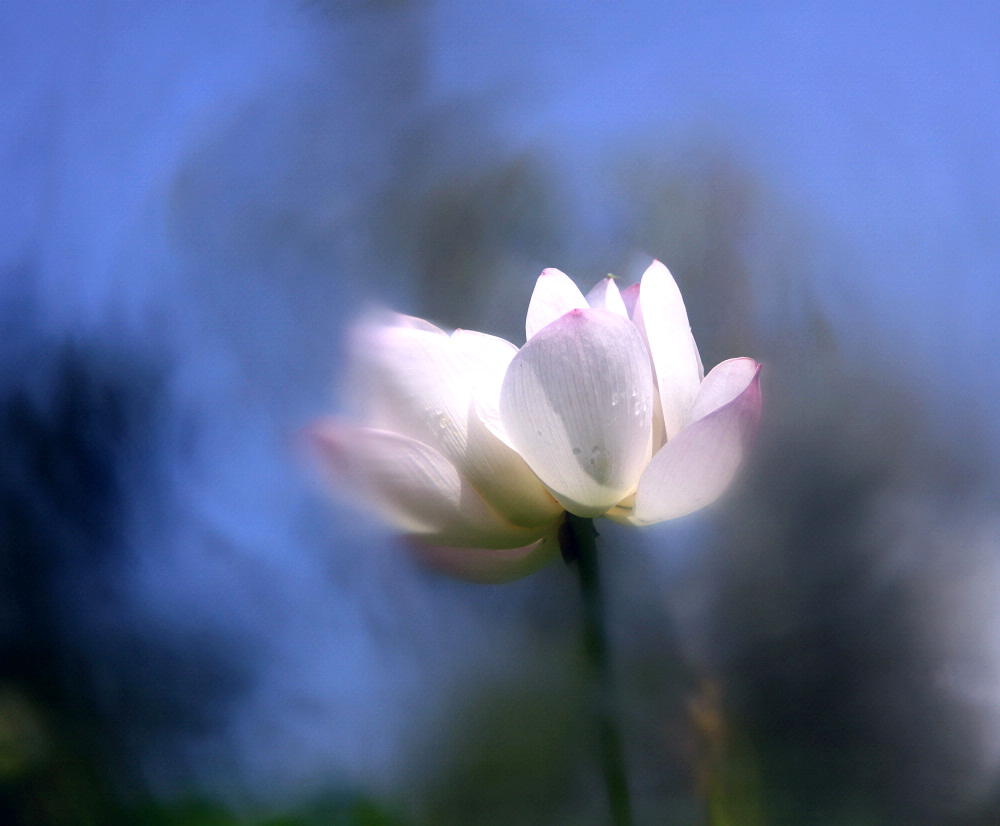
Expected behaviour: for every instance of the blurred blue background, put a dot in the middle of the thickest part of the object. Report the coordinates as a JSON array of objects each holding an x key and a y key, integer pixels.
[{"x": 197, "y": 201}]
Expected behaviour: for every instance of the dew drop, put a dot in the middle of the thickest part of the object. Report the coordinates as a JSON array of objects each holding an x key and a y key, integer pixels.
[{"x": 442, "y": 421}]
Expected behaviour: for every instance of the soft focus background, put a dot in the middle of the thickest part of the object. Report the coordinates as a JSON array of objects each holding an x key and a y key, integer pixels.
[{"x": 198, "y": 198}]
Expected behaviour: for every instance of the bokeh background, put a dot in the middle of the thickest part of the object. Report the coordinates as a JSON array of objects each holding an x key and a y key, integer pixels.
[{"x": 198, "y": 199}]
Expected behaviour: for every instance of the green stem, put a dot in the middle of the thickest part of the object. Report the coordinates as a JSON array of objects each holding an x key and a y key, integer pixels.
[{"x": 579, "y": 544}]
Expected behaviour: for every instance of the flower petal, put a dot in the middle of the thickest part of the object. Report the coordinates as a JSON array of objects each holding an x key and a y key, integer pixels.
[
  {"x": 421, "y": 384},
  {"x": 605, "y": 296},
  {"x": 661, "y": 317},
  {"x": 414, "y": 487},
  {"x": 392, "y": 319},
  {"x": 723, "y": 384},
  {"x": 482, "y": 356},
  {"x": 489, "y": 566},
  {"x": 630, "y": 295},
  {"x": 411, "y": 381},
  {"x": 476, "y": 349},
  {"x": 492, "y": 466},
  {"x": 696, "y": 466},
  {"x": 554, "y": 295},
  {"x": 577, "y": 404}
]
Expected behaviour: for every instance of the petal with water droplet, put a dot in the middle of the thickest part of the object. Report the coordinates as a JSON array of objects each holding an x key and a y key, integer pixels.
[{"x": 577, "y": 404}]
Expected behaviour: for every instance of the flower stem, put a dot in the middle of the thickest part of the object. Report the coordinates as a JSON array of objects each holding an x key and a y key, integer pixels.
[{"x": 578, "y": 540}]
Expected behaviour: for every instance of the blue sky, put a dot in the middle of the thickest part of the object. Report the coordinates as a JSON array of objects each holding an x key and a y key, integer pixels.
[{"x": 880, "y": 122}]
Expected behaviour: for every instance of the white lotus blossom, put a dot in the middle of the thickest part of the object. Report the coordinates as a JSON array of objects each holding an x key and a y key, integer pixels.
[{"x": 476, "y": 448}]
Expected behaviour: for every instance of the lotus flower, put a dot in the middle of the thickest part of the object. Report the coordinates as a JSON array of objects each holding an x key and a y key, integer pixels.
[{"x": 475, "y": 448}]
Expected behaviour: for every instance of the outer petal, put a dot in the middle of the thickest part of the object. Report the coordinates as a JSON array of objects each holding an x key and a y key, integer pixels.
[
  {"x": 483, "y": 357},
  {"x": 415, "y": 488},
  {"x": 661, "y": 317},
  {"x": 723, "y": 384},
  {"x": 577, "y": 404},
  {"x": 555, "y": 295},
  {"x": 421, "y": 384},
  {"x": 490, "y": 566},
  {"x": 605, "y": 296},
  {"x": 411, "y": 381},
  {"x": 392, "y": 319},
  {"x": 696, "y": 466}
]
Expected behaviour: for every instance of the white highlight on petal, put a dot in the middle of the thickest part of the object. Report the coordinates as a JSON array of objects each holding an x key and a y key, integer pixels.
[
  {"x": 484, "y": 358},
  {"x": 554, "y": 295},
  {"x": 695, "y": 467},
  {"x": 662, "y": 318},
  {"x": 577, "y": 404},
  {"x": 411, "y": 381}
]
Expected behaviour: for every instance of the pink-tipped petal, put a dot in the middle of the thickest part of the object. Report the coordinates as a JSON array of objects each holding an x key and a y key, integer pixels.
[
  {"x": 695, "y": 467},
  {"x": 577, "y": 404},
  {"x": 488, "y": 566},
  {"x": 662, "y": 318},
  {"x": 605, "y": 296},
  {"x": 555, "y": 295},
  {"x": 723, "y": 384},
  {"x": 413, "y": 487}
]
